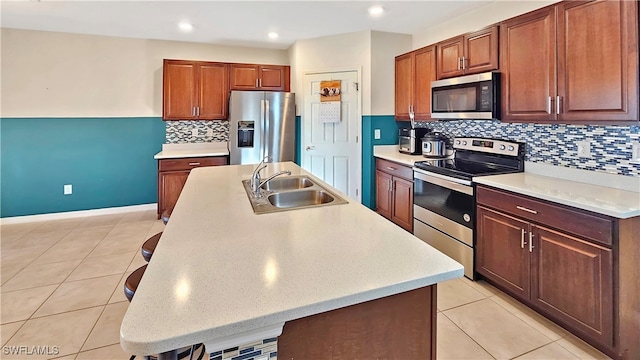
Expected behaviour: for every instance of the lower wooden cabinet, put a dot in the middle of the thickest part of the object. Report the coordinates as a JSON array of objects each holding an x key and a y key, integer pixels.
[
  {"x": 394, "y": 193},
  {"x": 567, "y": 272},
  {"x": 173, "y": 173}
]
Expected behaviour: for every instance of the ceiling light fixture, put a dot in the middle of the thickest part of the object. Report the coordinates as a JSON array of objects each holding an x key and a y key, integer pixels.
[
  {"x": 273, "y": 35},
  {"x": 185, "y": 26},
  {"x": 376, "y": 10}
]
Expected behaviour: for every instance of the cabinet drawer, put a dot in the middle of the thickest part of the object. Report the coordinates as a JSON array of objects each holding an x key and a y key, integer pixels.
[
  {"x": 190, "y": 163},
  {"x": 582, "y": 223},
  {"x": 394, "y": 169}
]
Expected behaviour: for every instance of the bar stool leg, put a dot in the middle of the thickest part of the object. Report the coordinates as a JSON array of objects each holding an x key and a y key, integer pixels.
[{"x": 169, "y": 355}]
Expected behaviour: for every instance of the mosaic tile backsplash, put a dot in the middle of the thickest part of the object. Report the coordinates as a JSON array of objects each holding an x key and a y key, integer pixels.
[
  {"x": 266, "y": 349},
  {"x": 196, "y": 131},
  {"x": 611, "y": 146}
]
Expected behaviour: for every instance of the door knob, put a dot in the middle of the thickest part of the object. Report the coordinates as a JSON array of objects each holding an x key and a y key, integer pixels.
[{"x": 308, "y": 148}]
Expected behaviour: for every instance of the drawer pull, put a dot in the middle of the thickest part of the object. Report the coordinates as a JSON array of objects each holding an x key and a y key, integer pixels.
[
  {"x": 530, "y": 242},
  {"x": 194, "y": 163},
  {"x": 522, "y": 241},
  {"x": 525, "y": 209},
  {"x": 391, "y": 168}
]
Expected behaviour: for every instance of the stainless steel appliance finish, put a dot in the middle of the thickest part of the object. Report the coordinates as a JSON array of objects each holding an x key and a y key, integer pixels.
[
  {"x": 466, "y": 97},
  {"x": 409, "y": 140},
  {"x": 261, "y": 124},
  {"x": 290, "y": 193},
  {"x": 444, "y": 194},
  {"x": 434, "y": 145}
]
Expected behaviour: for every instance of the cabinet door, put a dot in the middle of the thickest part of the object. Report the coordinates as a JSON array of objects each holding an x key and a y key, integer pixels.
[
  {"x": 502, "y": 254},
  {"x": 383, "y": 194},
  {"x": 243, "y": 77},
  {"x": 272, "y": 77},
  {"x": 481, "y": 51},
  {"x": 170, "y": 186},
  {"x": 528, "y": 66},
  {"x": 572, "y": 280},
  {"x": 450, "y": 54},
  {"x": 179, "y": 96},
  {"x": 213, "y": 91},
  {"x": 402, "y": 213},
  {"x": 598, "y": 60},
  {"x": 404, "y": 85},
  {"x": 425, "y": 73}
]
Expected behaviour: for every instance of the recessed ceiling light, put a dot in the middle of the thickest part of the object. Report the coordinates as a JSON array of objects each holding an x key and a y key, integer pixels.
[
  {"x": 185, "y": 26},
  {"x": 273, "y": 35},
  {"x": 376, "y": 10}
]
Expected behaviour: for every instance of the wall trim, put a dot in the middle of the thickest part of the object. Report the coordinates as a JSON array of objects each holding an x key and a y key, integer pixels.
[{"x": 76, "y": 214}]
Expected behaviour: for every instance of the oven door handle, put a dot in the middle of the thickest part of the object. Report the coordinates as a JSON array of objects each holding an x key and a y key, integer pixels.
[{"x": 463, "y": 186}]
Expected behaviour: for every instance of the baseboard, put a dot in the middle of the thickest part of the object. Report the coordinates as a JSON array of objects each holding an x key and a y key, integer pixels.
[{"x": 76, "y": 214}]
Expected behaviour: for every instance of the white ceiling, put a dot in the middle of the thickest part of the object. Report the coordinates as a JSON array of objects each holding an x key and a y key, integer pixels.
[{"x": 236, "y": 23}]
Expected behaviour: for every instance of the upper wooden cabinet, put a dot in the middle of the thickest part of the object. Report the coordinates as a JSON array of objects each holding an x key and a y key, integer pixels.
[
  {"x": 194, "y": 90},
  {"x": 572, "y": 62},
  {"x": 259, "y": 77},
  {"x": 468, "y": 54},
  {"x": 414, "y": 73}
]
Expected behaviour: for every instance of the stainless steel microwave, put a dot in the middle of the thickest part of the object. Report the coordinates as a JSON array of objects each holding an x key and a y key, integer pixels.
[{"x": 466, "y": 97}]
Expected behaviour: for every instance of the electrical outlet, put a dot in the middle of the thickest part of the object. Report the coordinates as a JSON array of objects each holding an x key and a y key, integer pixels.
[
  {"x": 210, "y": 132},
  {"x": 635, "y": 151},
  {"x": 376, "y": 134},
  {"x": 68, "y": 189},
  {"x": 584, "y": 148},
  {"x": 194, "y": 132}
]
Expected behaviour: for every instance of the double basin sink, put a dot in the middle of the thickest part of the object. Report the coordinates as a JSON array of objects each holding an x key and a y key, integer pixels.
[{"x": 290, "y": 193}]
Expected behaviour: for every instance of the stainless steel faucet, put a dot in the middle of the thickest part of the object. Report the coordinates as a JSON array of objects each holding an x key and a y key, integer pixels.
[
  {"x": 255, "y": 177},
  {"x": 259, "y": 193},
  {"x": 256, "y": 182}
]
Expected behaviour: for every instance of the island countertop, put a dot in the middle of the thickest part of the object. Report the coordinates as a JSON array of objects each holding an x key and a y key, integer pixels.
[{"x": 220, "y": 271}]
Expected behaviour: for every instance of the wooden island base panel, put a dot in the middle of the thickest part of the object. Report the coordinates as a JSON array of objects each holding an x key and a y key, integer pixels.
[{"x": 401, "y": 326}]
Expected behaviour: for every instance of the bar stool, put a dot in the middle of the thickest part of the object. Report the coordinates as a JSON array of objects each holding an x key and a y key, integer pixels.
[
  {"x": 149, "y": 246},
  {"x": 166, "y": 215},
  {"x": 130, "y": 287}
]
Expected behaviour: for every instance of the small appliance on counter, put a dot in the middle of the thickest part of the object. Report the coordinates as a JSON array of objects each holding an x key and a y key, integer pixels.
[
  {"x": 436, "y": 145},
  {"x": 410, "y": 140}
]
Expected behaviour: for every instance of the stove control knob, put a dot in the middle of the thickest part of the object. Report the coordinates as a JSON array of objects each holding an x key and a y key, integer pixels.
[
  {"x": 511, "y": 148},
  {"x": 464, "y": 143},
  {"x": 502, "y": 147},
  {"x": 457, "y": 142}
]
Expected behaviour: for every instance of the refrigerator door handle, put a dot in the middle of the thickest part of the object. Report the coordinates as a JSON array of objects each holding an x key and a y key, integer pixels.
[
  {"x": 261, "y": 127},
  {"x": 267, "y": 139}
]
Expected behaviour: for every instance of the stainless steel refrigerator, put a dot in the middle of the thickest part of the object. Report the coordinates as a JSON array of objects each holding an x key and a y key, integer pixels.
[{"x": 261, "y": 123}]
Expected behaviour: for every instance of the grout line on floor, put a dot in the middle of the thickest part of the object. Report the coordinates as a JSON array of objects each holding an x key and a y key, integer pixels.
[
  {"x": 104, "y": 308},
  {"x": 470, "y": 337}
]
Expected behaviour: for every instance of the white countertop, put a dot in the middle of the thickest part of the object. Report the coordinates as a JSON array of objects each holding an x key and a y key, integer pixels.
[
  {"x": 221, "y": 271},
  {"x": 173, "y": 151},
  {"x": 391, "y": 153},
  {"x": 600, "y": 199}
]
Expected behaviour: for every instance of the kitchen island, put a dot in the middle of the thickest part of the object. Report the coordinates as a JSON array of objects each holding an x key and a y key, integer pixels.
[{"x": 331, "y": 281}]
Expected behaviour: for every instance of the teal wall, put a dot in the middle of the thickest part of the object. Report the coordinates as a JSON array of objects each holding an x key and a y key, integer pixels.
[
  {"x": 298, "y": 160},
  {"x": 388, "y": 136},
  {"x": 109, "y": 162}
]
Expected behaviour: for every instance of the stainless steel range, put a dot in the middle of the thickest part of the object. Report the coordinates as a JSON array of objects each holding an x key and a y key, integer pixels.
[{"x": 444, "y": 193}]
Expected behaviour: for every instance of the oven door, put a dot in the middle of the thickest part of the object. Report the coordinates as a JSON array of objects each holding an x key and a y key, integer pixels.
[
  {"x": 443, "y": 211},
  {"x": 449, "y": 198}
]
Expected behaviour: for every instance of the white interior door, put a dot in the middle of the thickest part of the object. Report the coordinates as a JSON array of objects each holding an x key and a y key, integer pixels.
[{"x": 331, "y": 151}]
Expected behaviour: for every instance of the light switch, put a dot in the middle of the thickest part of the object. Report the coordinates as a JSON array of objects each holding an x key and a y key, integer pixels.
[{"x": 376, "y": 134}]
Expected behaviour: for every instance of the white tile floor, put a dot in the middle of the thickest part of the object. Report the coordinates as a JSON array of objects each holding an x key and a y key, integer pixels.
[{"x": 62, "y": 286}]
